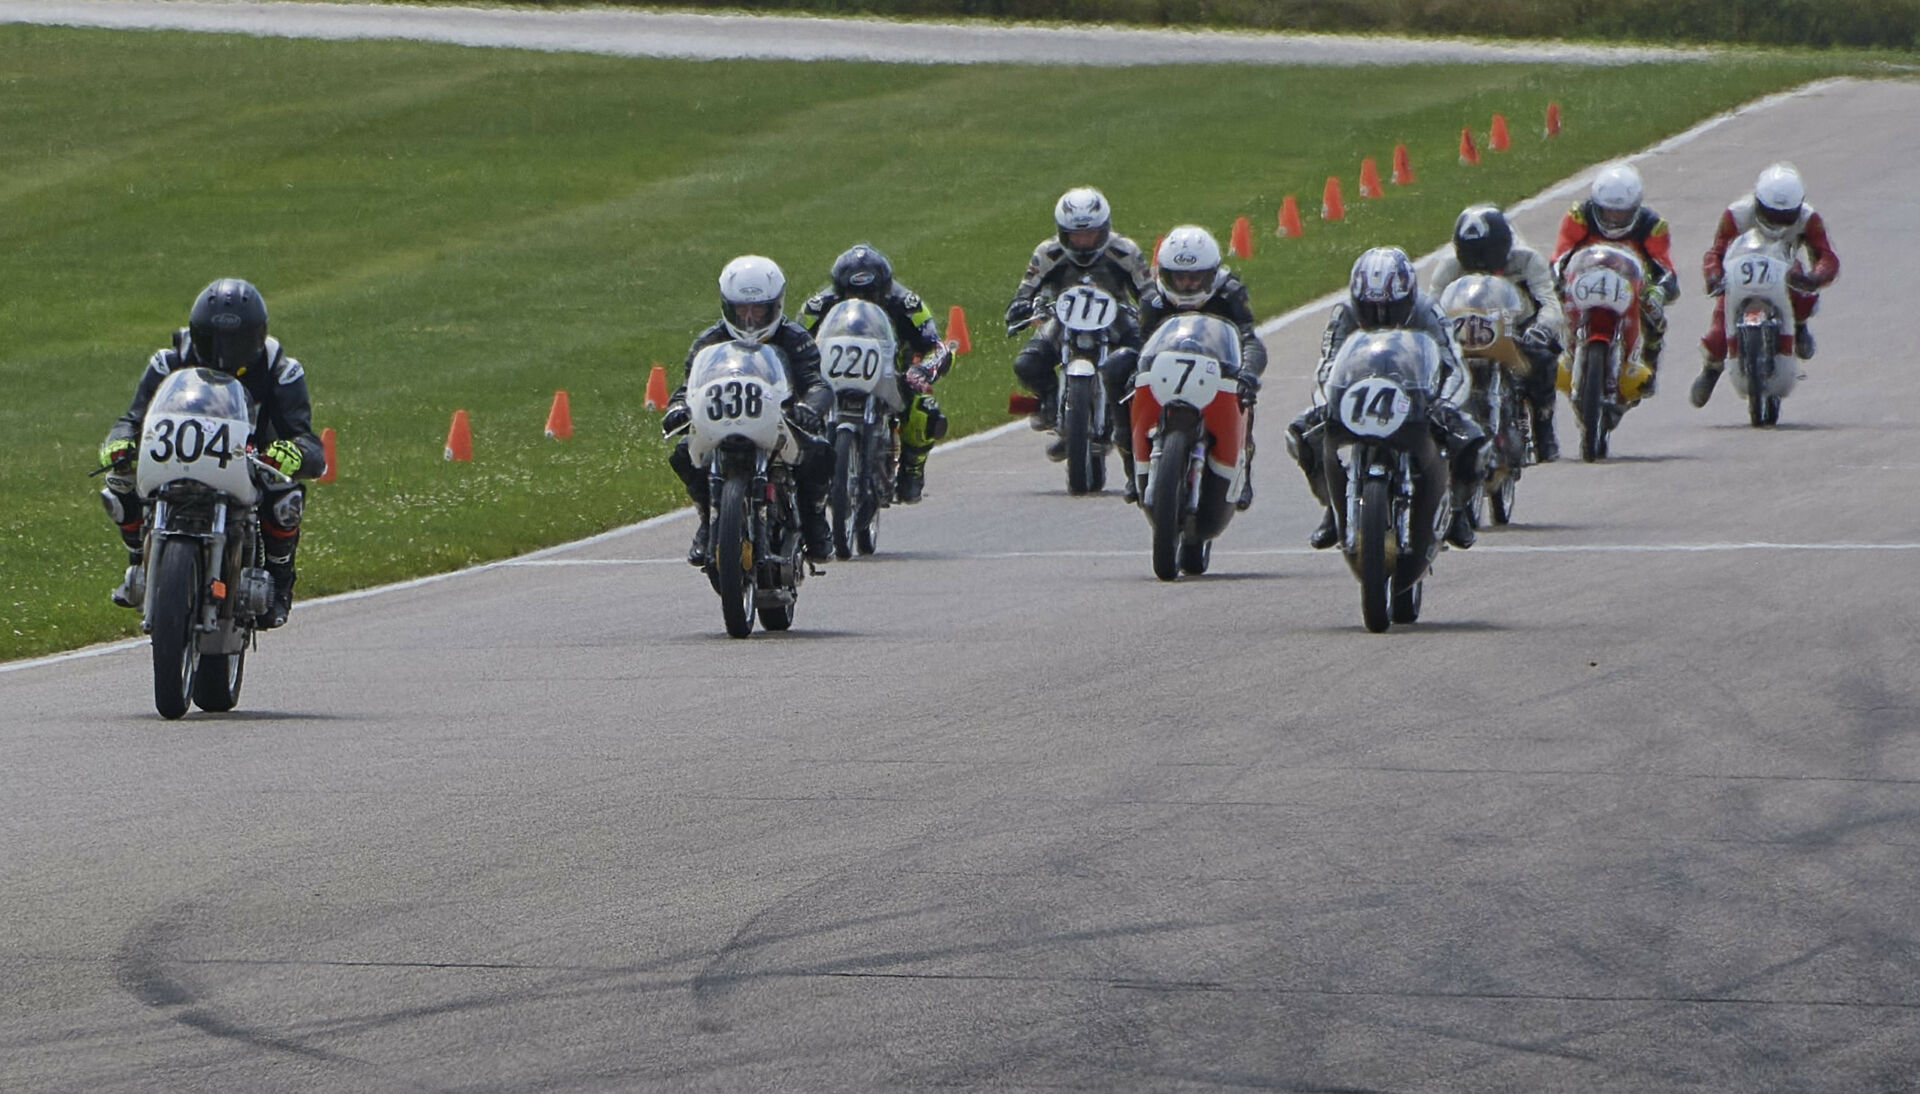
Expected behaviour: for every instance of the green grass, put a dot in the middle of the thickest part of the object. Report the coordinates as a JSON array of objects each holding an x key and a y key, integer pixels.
[{"x": 437, "y": 227}]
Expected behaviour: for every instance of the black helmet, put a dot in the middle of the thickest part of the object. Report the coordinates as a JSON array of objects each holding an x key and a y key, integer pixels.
[
  {"x": 228, "y": 326},
  {"x": 1482, "y": 239},
  {"x": 863, "y": 273}
]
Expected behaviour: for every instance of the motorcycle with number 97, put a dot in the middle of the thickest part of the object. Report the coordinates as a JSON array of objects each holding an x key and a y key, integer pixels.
[
  {"x": 1758, "y": 313},
  {"x": 740, "y": 433},
  {"x": 206, "y": 583}
]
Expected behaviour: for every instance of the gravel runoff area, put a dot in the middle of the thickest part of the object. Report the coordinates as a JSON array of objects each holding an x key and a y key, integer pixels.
[{"x": 633, "y": 33}]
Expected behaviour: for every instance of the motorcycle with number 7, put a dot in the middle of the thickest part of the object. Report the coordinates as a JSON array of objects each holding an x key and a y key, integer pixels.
[{"x": 1189, "y": 436}]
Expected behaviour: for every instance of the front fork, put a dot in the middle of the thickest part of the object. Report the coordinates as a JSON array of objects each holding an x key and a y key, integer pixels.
[{"x": 1366, "y": 463}]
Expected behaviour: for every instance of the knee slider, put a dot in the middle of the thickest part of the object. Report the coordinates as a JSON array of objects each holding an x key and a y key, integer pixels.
[
  {"x": 936, "y": 426},
  {"x": 287, "y": 509}
]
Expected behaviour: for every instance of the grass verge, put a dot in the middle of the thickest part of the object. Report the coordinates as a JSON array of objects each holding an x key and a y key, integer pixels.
[{"x": 438, "y": 228}]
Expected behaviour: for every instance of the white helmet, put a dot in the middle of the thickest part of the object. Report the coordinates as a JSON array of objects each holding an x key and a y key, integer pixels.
[
  {"x": 1079, "y": 210},
  {"x": 1189, "y": 265},
  {"x": 1616, "y": 196},
  {"x": 1777, "y": 196},
  {"x": 752, "y": 290}
]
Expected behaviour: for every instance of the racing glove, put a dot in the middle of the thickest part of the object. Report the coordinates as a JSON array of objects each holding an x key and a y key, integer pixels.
[
  {"x": 677, "y": 418},
  {"x": 1801, "y": 281},
  {"x": 1716, "y": 285},
  {"x": 1249, "y": 390},
  {"x": 120, "y": 452},
  {"x": 283, "y": 456},
  {"x": 807, "y": 419}
]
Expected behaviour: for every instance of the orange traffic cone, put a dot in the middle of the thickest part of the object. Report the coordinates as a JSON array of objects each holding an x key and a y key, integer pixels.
[
  {"x": 1331, "y": 205},
  {"x": 333, "y": 462},
  {"x": 1370, "y": 180},
  {"x": 1402, "y": 166},
  {"x": 459, "y": 438},
  {"x": 1153, "y": 256},
  {"x": 560, "y": 418},
  {"x": 1497, "y": 139},
  {"x": 957, "y": 330},
  {"x": 657, "y": 388},
  {"x": 1289, "y": 218},
  {"x": 1240, "y": 243},
  {"x": 1553, "y": 119},
  {"x": 1468, "y": 153}
]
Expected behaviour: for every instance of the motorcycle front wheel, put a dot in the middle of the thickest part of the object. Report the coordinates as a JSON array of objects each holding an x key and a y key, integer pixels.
[
  {"x": 1756, "y": 359},
  {"x": 172, "y": 601},
  {"x": 876, "y": 469},
  {"x": 1086, "y": 463},
  {"x": 843, "y": 497},
  {"x": 1169, "y": 485},
  {"x": 1376, "y": 580},
  {"x": 1590, "y": 400},
  {"x": 732, "y": 555}
]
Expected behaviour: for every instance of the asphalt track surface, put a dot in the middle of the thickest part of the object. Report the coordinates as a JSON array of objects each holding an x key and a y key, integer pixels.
[
  {"x": 634, "y": 33},
  {"x": 1633, "y": 808}
]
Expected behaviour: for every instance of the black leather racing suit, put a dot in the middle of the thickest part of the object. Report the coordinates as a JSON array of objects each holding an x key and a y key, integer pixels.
[{"x": 796, "y": 348}]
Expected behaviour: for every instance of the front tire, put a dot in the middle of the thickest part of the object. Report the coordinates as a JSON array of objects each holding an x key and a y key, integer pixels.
[
  {"x": 1502, "y": 498},
  {"x": 1376, "y": 524},
  {"x": 1076, "y": 429},
  {"x": 732, "y": 556},
  {"x": 875, "y": 489},
  {"x": 1169, "y": 485},
  {"x": 1590, "y": 400},
  {"x": 843, "y": 496},
  {"x": 216, "y": 683},
  {"x": 173, "y": 600}
]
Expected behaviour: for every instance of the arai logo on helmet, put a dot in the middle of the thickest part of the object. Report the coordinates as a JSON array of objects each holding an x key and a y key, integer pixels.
[
  {"x": 752, "y": 291},
  {"x": 1185, "y": 258},
  {"x": 226, "y": 320}
]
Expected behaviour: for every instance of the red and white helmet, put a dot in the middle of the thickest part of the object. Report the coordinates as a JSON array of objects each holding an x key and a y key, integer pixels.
[
  {"x": 1188, "y": 263},
  {"x": 1616, "y": 196},
  {"x": 1777, "y": 197}
]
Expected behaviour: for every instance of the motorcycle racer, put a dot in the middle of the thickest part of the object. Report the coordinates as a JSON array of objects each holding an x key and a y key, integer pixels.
[
  {"x": 1614, "y": 212},
  {"x": 1189, "y": 277},
  {"x": 1382, "y": 295},
  {"x": 1778, "y": 207},
  {"x": 1083, "y": 250},
  {"x": 863, "y": 273},
  {"x": 226, "y": 331},
  {"x": 752, "y": 290},
  {"x": 1484, "y": 243}
]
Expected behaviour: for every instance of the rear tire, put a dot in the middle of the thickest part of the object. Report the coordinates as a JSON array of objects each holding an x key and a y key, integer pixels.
[
  {"x": 1076, "y": 428},
  {"x": 732, "y": 556},
  {"x": 172, "y": 599},
  {"x": 1406, "y": 602},
  {"x": 778, "y": 617},
  {"x": 1170, "y": 501},
  {"x": 1196, "y": 557},
  {"x": 216, "y": 684},
  {"x": 1590, "y": 400},
  {"x": 1376, "y": 524}
]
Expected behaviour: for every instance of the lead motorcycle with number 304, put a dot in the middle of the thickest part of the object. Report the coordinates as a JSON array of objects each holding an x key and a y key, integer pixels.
[
  {"x": 857, "y": 349},
  {"x": 739, "y": 432},
  {"x": 206, "y": 584},
  {"x": 1391, "y": 489},
  {"x": 1189, "y": 436}
]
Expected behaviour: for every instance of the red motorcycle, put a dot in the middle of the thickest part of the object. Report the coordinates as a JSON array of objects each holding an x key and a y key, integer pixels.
[
  {"x": 1601, "y": 286},
  {"x": 1189, "y": 438}
]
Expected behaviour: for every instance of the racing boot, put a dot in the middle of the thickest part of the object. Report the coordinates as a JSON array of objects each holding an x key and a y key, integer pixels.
[
  {"x": 697, "y": 550},
  {"x": 1546, "y": 447},
  {"x": 1327, "y": 534},
  {"x": 1703, "y": 386},
  {"x": 1802, "y": 342},
  {"x": 132, "y": 590},
  {"x": 283, "y": 578},
  {"x": 1460, "y": 531},
  {"x": 816, "y": 531},
  {"x": 912, "y": 476},
  {"x": 1245, "y": 500}
]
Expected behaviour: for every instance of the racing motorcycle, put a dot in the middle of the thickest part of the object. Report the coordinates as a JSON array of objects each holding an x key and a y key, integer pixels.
[
  {"x": 1190, "y": 434},
  {"x": 1083, "y": 319},
  {"x": 1483, "y": 311},
  {"x": 1391, "y": 490},
  {"x": 205, "y": 586},
  {"x": 857, "y": 348},
  {"x": 740, "y": 434},
  {"x": 1757, "y": 312},
  {"x": 1601, "y": 291}
]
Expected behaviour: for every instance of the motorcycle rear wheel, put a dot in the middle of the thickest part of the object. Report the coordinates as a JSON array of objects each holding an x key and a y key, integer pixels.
[
  {"x": 1590, "y": 401},
  {"x": 172, "y": 601},
  {"x": 1376, "y": 580},
  {"x": 1169, "y": 487},
  {"x": 732, "y": 556},
  {"x": 216, "y": 683}
]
